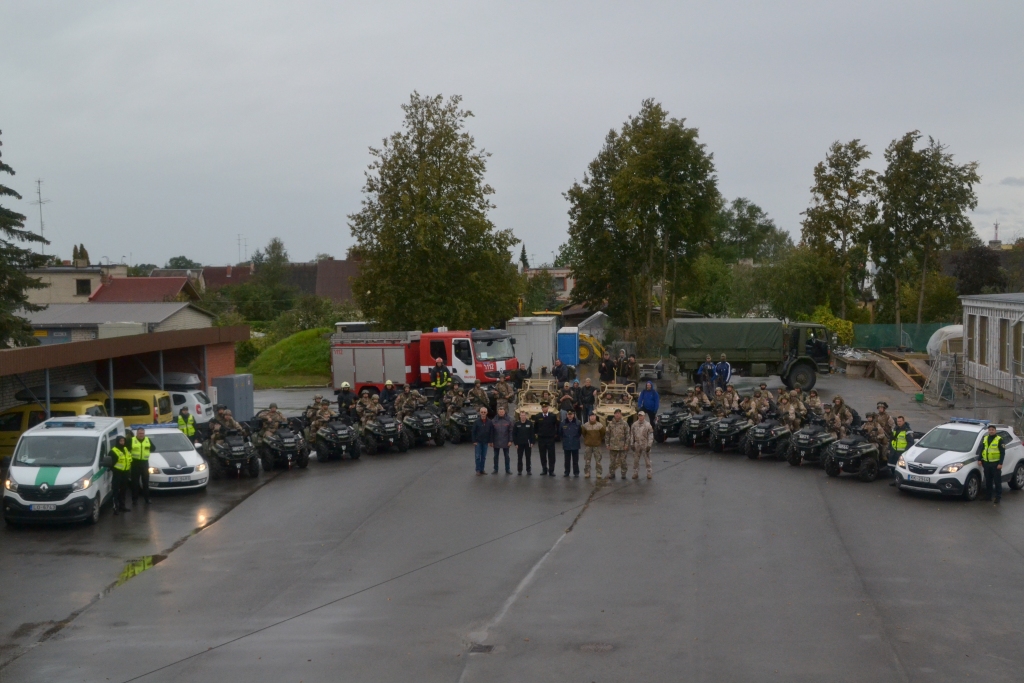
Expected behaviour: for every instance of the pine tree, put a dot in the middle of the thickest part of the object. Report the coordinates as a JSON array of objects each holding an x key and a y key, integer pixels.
[
  {"x": 83, "y": 254},
  {"x": 14, "y": 282},
  {"x": 522, "y": 258},
  {"x": 74, "y": 254}
]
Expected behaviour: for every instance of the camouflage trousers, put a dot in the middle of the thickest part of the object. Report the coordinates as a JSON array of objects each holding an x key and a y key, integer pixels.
[
  {"x": 618, "y": 459},
  {"x": 645, "y": 453},
  {"x": 595, "y": 453},
  {"x": 502, "y": 403}
]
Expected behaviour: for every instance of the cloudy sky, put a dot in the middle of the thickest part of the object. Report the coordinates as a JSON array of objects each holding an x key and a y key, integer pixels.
[{"x": 168, "y": 128}]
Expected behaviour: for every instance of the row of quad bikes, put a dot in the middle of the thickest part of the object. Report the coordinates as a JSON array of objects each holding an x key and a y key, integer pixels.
[
  {"x": 244, "y": 453},
  {"x": 771, "y": 438}
]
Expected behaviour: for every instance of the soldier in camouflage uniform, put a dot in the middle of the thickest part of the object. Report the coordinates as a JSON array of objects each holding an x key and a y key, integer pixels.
[
  {"x": 843, "y": 413},
  {"x": 322, "y": 417},
  {"x": 313, "y": 408},
  {"x": 371, "y": 411},
  {"x": 699, "y": 402},
  {"x": 363, "y": 405},
  {"x": 641, "y": 438},
  {"x": 795, "y": 400},
  {"x": 832, "y": 422},
  {"x": 272, "y": 420},
  {"x": 718, "y": 405},
  {"x": 478, "y": 397},
  {"x": 616, "y": 437},
  {"x": 402, "y": 398},
  {"x": 732, "y": 398},
  {"x": 876, "y": 434},
  {"x": 814, "y": 403},
  {"x": 505, "y": 393},
  {"x": 788, "y": 414},
  {"x": 884, "y": 419}
]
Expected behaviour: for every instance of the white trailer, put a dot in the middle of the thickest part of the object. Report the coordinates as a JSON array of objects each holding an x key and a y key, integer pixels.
[{"x": 535, "y": 339}]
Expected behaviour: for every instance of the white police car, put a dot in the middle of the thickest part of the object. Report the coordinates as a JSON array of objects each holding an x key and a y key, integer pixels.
[
  {"x": 59, "y": 470},
  {"x": 944, "y": 461},
  {"x": 174, "y": 462}
]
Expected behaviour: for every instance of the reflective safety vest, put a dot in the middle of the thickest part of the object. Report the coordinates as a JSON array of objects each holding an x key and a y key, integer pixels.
[
  {"x": 899, "y": 440},
  {"x": 442, "y": 378},
  {"x": 187, "y": 427},
  {"x": 990, "y": 451},
  {"x": 123, "y": 459},
  {"x": 141, "y": 449}
]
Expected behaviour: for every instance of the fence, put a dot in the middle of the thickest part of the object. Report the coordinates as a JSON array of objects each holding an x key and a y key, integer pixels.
[{"x": 911, "y": 336}]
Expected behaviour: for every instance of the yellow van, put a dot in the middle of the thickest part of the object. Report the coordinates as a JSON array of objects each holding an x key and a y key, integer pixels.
[
  {"x": 18, "y": 419},
  {"x": 138, "y": 406}
]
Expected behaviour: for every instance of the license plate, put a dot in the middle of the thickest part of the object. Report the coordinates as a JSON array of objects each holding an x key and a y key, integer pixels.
[
  {"x": 428, "y": 435},
  {"x": 177, "y": 478},
  {"x": 42, "y": 508},
  {"x": 391, "y": 440},
  {"x": 915, "y": 477},
  {"x": 238, "y": 465}
]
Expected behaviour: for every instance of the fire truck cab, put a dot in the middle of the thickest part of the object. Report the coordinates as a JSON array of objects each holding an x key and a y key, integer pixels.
[{"x": 367, "y": 359}]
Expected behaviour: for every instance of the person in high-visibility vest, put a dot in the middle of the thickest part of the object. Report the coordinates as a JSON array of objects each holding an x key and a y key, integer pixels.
[
  {"x": 902, "y": 439},
  {"x": 992, "y": 453},
  {"x": 186, "y": 423},
  {"x": 121, "y": 466},
  {"x": 440, "y": 380},
  {"x": 141, "y": 447}
]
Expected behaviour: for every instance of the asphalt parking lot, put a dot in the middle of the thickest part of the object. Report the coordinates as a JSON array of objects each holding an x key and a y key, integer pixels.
[{"x": 407, "y": 567}]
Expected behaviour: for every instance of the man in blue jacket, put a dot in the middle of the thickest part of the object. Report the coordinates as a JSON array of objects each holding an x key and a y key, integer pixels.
[
  {"x": 483, "y": 435},
  {"x": 570, "y": 430},
  {"x": 723, "y": 373},
  {"x": 649, "y": 401}
]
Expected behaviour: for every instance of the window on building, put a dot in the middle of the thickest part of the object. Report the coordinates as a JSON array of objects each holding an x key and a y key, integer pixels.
[
  {"x": 1017, "y": 341},
  {"x": 983, "y": 339},
  {"x": 1004, "y": 345},
  {"x": 559, "y": 283},
  {"x": 83, "y": 287},
  {"x": 972, "y": 354}
]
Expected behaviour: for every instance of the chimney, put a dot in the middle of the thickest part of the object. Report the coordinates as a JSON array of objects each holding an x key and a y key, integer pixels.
[{"x": 229, "y": 272}]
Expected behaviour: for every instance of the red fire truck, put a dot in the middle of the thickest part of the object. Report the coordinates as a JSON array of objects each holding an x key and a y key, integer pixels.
[{"x": 368, "y": 359}]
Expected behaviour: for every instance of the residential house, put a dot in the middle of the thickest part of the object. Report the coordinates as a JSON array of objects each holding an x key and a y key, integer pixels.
[
  {"x": 61, "y": 323},
  {"x": 145, "y": 289},
  {"x": 71, "y": 284},
  {"x": 194, "y": 275}
]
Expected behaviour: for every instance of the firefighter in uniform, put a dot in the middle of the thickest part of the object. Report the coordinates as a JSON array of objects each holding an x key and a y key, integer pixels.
[
  {"x": 141, "y": 447},
  {"x": 440, "y": 380},
  {"x": 992, "y": 452},
  {"x": 186, "y": 423},
  {"x": 121, "y": 457}
]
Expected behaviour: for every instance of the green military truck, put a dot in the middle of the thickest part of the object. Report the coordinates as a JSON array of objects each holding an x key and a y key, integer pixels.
[{"x": 755, "y": 347}]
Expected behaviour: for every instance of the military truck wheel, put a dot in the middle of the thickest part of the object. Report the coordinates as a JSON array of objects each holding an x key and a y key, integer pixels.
[
  {"x": 868, "y": 470},
  {"x": 802, "y": 376},
  {"x": 659, "y": 435},
  {"x": 793, "y": 457},
  {"x": 832, "y": 467}
]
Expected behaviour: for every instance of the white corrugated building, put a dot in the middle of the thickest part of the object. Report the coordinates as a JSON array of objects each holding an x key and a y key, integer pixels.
[{"x": 994, "y": 341}]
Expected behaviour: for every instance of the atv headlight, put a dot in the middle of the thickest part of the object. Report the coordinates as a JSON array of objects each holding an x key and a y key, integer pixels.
[
  {"x": 10, "y": 484},
  {"x": 952, "y": 468},
  {"x": 83, "y": 483},
  {"x": 901, "y": 462},
  {"x": 201, "y": 467}
]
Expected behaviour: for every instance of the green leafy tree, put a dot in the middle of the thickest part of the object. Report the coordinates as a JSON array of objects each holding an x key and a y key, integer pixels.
[
  {"x": 798, "y": 283},
  {"x": 183, "y": 263},
  {"x": 744, "y": 231},
  {"x": 14, "y": 282},
  {"x": 267, "y": 293},
  {"x": 431, "y": 255},
  {"x": 925, "y": 198},
  {"x": 540, "y": 293},
  {"x": 978, "y": 271},
  {"x": 843, "y": 209},
  {"x": 141, "y": 270},
  {"x": 710, "y": 286},
  {"x": 642, "y": 214},
  {"x": 83, "y": 254}
]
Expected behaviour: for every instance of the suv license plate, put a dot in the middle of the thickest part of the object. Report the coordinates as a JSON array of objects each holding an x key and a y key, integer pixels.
[
  {"x": 916, "y": 477},
  {"x": 428, "y": 435},
  {"x": 179, "y": 478},
  {"x": 42, "y": 508}
]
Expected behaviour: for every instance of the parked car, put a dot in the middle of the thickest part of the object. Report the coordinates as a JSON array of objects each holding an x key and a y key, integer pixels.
[{"x": 138, "y": 406}]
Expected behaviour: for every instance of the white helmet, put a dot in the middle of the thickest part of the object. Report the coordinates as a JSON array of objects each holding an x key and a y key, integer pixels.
[{"x": 346, "y": 385}]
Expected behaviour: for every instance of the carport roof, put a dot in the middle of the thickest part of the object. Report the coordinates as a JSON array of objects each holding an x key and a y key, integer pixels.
[{"x": 93, "y": 314}]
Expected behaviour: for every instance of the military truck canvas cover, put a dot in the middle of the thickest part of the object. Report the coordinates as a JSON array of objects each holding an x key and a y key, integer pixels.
[{"x": 739, "y": 338}]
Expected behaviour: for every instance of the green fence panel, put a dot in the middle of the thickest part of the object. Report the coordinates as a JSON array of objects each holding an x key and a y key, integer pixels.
[{"x": 877, "y": 337}]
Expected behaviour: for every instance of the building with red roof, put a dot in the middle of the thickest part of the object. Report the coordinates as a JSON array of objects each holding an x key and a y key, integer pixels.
[{"x": 144, "y": 290}]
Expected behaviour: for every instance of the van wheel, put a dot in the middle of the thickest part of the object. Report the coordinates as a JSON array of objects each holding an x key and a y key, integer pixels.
[
  {"x": 868, "y": 470},
  {"x": 832, "y": 467},
  {"x": 972, "y": 486},
  {"x": 1017, "y": 479},
  {"x": 94, "y": 514}
]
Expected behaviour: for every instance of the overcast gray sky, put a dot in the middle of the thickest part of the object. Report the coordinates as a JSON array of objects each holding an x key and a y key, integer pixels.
[{"x": 167, "y": 128}]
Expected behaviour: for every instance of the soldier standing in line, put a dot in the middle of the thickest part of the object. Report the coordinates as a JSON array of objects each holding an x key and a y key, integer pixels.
[
  {"x": 617, "y": 439},
  {"x": 593, "y": 437},
  {"x": 504, "y": 393},
  {"x": 641, "y": 438}
]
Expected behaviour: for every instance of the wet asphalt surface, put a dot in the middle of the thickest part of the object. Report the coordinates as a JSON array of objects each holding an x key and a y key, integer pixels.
[{"x": 393, "y": 567}]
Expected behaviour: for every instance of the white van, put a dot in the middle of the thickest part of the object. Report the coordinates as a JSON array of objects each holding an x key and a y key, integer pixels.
[{"x": 59, "y": 471}]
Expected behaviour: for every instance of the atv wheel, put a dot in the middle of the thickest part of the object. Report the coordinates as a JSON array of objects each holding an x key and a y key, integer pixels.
[
  {"x": 370, "y": 444},
  {"x": 403, "y": 442},
  {"x": 832, "y": 467},
  {"x": 254, "y": 468},
  {"x": 322, "y": 454},
  {"x": 660, "y": 436},
  {"x": 717, "y": 445},
  {"x": 268, "y": 460},
  {"x": 302, "y": 459},
  {"x": 793, "y": 456},
  {"x": 1017, "y": 478},
  {"x": 972, "y": 486},
  {"x": 439, "y": 439},
  {"x": 454, "y": 434},
  {"x": 215, "y": 470},
  {"x": 355, "y": 449},
  {"x": 868, "y": 470},
  {"x": 782, "y": 450},
  {"x": 750, "y": 451}
]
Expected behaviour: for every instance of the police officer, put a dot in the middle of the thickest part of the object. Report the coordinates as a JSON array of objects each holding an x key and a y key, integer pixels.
[
  {"x": 902, "y": 439},
  {"x": 992, "y": 453},
  {"x": 440, "y": 379},
  {"x": 141, "y": 447},
  {"x": 121, "y": 465},
  {"x": 186, "y": 423}
]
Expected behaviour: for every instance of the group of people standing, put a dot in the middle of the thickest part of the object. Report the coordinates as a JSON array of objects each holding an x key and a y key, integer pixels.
[
  {"x": 129, "y": 463},
  {"x": 589, "y": 435}
]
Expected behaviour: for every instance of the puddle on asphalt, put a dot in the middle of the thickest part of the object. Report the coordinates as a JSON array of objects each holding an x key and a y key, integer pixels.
[{"x": 137, "y": 566}]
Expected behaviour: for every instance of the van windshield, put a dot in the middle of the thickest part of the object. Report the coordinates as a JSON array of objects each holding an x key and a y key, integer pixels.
[
  {"x": 958, "y": 440},
  {"x": 494, "y": 349},
  {"x": 53, "y": 450},
  {"x": 170, "y": 443}
]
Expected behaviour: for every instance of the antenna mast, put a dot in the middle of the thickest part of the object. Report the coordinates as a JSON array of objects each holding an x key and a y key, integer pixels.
[{"x": 39, "y": 202}]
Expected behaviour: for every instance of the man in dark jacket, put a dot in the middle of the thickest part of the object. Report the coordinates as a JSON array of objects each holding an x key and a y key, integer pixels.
[
  {"x": 546, "y": 429},
  {"x": 588, "y": 397},
  {"x": 501, "y": 438},
  {"x": 482, "y": 434},
  {"x": 606, "y": 369},
  {"x": 902, "y": 439},
  {"x": 570, "y": 429},
  {"x": 523, "y": 437},
  {"x": 560, "y": 372},
  {"x": 388, "y": 396}
]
